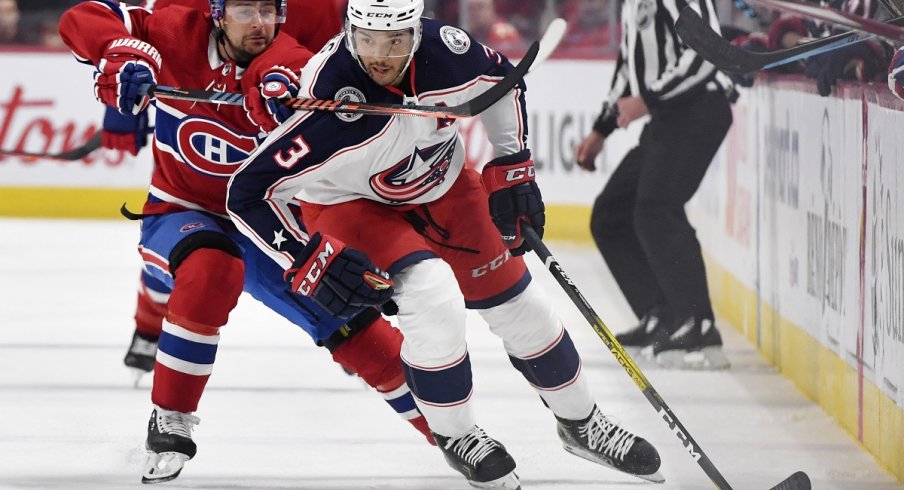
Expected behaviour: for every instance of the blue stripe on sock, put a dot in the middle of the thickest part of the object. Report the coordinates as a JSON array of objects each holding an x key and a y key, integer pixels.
[
  {"x": 187, "y": 350},
  {"x": 403, "y": 404},
  {"x": 445, "y": 386},
  {"x": 556, "y": 367}
]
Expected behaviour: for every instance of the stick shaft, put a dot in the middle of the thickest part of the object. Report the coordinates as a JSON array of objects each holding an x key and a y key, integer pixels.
[{"x": 625, "y": 360}]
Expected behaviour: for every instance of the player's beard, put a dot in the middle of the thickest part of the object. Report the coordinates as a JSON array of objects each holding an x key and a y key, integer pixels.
[
  {"x": 386, "y": 73},
  {"x": 251, "y": 45}
]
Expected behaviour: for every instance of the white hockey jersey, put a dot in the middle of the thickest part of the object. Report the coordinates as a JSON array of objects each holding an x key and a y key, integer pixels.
[{"x": 328, "y": 158}]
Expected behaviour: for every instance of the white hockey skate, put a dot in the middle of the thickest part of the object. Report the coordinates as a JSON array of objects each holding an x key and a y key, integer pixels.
[
  {"x": 169, "y": 444},
  {"x": 604, "y": 442},
  {"x": 481, "y": 459}
]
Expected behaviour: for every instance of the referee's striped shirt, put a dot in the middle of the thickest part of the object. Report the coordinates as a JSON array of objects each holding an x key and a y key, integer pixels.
[{"x": 654, "y": 63}]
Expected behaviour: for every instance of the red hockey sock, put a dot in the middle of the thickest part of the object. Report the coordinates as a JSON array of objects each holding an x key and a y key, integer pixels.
[
  {"x": 149, "y": 315},
  {"x": 373, "y": 354},
  {"x": 207, "y": 287}
]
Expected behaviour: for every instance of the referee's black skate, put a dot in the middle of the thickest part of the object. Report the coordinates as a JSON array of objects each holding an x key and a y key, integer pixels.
[
  {"x": 480, "y": 458},
  {"x": 602, "y": 441},
  {"x": 169, "y": 444},
  {"x": 638, "y": 341},
  {"x": 696, "y": 344},
  {"x": 141, "y": 354}
]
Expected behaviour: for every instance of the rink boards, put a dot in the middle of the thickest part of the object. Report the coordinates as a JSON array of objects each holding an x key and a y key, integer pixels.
[
  {"x": 800, "y": 214},
  {"x": 802, "y": 220}
]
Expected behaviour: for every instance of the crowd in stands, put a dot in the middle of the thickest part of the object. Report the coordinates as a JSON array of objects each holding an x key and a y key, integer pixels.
[
  {"x": 507, "y": 25},
  {"x": 593, "y": 31}
]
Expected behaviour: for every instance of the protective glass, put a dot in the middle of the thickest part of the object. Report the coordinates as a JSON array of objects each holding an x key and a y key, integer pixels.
[
  {"x": 383, "y": 44},
  {"x": 247, "y": 14}
]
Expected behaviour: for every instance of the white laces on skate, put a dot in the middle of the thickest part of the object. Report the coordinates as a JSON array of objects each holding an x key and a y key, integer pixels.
[
  {"x": 473, "y": 447},
  {"x": 606, "y": 437},
  {"x": 172, "y": 422}
]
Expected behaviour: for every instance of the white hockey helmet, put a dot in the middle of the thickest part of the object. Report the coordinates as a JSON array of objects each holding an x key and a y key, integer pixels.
[{"x": 384, "y": 15}]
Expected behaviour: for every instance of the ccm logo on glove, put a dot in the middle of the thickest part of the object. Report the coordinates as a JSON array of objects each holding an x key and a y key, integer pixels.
[
  {"x": 305, "y": 284},
  {"x": 341, "y": 280}
]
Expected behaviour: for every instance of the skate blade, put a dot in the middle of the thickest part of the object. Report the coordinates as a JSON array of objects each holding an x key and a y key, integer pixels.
[
  {"x": 706, "y": 359},
  {"x": 137, "y": 376},
  {"x": 163, "y": 467},
  {"x": 509, "y": 481},
  {"x": 601, "y": 460}
]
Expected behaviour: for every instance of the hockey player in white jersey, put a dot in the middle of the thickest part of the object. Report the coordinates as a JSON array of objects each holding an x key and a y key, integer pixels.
[{"x": 396, "y": 188}]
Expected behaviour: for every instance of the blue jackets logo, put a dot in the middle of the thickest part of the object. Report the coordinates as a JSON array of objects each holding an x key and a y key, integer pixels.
[
  {"x": 414, "y": 175},
  {"x": 211, "y": 148}
]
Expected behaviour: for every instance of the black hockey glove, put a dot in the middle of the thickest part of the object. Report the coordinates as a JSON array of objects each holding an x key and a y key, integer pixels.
[
  {"x": 341, "y": 280},
  {"x": 515, "y": 199}
]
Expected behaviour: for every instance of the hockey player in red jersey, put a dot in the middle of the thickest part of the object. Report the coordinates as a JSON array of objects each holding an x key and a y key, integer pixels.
[
  {"x": 396, "y": 188},
  {"x": 130, "y": 133},
  {"x": 187, "y": 242}
]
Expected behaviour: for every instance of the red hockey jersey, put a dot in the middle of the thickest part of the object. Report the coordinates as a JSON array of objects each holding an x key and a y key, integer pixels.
[
  {"x": 197, "y": 146},
  {"x": 311, "y": 22}
]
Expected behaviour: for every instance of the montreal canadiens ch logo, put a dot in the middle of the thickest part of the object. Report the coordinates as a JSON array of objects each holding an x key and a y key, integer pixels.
[
  {"x": 416, "y": 174},
  {"x": 211, "y": 148}
]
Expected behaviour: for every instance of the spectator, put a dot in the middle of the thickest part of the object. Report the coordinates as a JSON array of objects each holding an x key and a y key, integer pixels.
[
  {"x": 9, "y": 23},
  {"x": 491, "y": 30},
  {"x": 590, "y": 27}
]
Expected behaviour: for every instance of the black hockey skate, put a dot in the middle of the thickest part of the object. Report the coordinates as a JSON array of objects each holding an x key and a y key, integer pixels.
[
  {"x": 480, "y": 458},
  {"x": 604, "y": 442},
  {"x": 638, "y": 341},
  {"x": 141, "y": 355},
  {"x": 169, "y": 444},
  {"x": 696, "y": 344}
]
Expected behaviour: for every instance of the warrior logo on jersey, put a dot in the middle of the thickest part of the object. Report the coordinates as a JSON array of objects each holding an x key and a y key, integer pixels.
[
  {"x": 211, "y": 148},
  {"x": 416, "y": 174},
  {"x": 456, "y": 39},
  {"x": 349, "y": 94}
]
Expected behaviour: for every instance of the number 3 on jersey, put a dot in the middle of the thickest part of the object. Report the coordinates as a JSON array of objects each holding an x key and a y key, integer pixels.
[{"x": 289, "y": 158}]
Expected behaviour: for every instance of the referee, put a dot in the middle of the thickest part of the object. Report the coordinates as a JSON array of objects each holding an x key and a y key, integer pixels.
[{"x": 638, "y": 221}]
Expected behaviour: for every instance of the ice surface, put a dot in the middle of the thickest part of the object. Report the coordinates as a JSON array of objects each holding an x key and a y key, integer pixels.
[{"x": 279, "y": 414}]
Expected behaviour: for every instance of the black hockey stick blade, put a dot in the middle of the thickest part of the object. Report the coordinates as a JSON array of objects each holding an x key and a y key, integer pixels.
[
  {"x": 797, "y": 481},
  {"x": 78, "y": 153},
  {"x": 697, "y": 34},
  {"x": 470, "y": 108},
  {"x": 837, "y": 17}
]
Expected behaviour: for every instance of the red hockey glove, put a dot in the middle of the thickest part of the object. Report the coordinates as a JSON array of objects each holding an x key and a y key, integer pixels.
[
  {"x": 264, "y": 104},
  {"x": 514, "y": 198},
  {"x": 127, "y": 64},
  {"x": 125, "y": 132},
  {"x": 341, "y": 280}
]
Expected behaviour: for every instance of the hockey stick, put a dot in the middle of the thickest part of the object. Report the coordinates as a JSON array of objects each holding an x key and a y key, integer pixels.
[
  {"x": 834, "y": 16},
  {"x": 697, "y": 34},
  {"x": 470, "y": 108},
  {"x": 78, "y": 153},
  {"x": 797, "y": 481},
  {"x": 555, "y": 31}
]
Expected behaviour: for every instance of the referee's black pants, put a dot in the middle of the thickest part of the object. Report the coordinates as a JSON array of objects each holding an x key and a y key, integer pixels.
[{"x": 639, "y": 222}]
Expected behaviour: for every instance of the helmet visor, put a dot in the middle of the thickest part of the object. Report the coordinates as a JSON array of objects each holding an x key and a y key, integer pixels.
[
  {"x": 383, "y": 44},
  {"x": 254, "y": 12}
]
